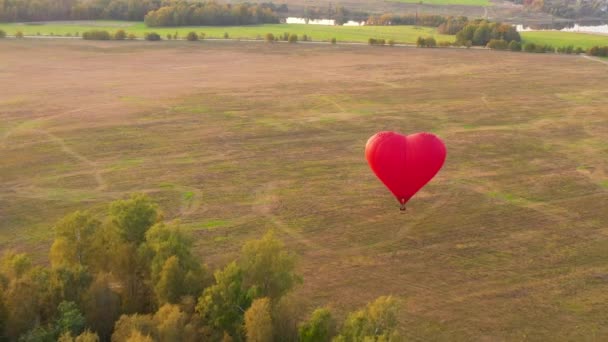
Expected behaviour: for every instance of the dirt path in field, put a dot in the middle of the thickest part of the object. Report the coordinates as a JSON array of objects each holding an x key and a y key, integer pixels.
[
  {"x": 595, "y": 59},
  {"x": 101, "y": 183}
]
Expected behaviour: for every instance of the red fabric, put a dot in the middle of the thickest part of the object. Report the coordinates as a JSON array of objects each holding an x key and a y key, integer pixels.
[{"x": 405, "y": 163}]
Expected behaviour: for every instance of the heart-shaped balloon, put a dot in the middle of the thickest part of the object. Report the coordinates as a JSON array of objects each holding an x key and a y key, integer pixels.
[{"x": 405, "y": 163}]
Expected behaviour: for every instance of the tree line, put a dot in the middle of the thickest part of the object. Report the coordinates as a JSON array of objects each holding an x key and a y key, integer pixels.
[
  {"x": 479, "y": 33},
  {"x": 136, "y": 10},
  {"x": 131, "y": 276},
  {"x": 183, "y": 13}
]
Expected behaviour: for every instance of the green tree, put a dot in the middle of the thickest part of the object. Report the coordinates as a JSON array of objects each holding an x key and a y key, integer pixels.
[
  {"x": 223, "y": 304},
  {"x": 376, "y": 322},
  {"x": 268, "y": 267},
  {"x": 69, "y": 319},
  {"x": 321, "y": 327},
  {"x": 514, "y": 46},
  {"x": 74, "y": 236},
  {"x": 183, "y": 276},
  {"x": 481, "y": 35},
  {"x": 169, "y": 288},
  {"x": 134, "y": 216},
  {"x": 69, "y": 284},
  {"x": 102, "y": 306},
  {"x": 258, "y": 322}
]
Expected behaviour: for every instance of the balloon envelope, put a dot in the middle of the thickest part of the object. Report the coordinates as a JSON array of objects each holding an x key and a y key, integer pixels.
[{"x": 405, "y": 163}]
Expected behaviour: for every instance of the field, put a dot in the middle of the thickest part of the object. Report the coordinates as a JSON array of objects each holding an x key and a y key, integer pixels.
[
  {"x": 400, "y": 34},
  {"x": 450, "y": 2},
  {"x": 404, "y": 34},
  {"x": 509, "y": 242},
  {"x": 557, "y": 39}
]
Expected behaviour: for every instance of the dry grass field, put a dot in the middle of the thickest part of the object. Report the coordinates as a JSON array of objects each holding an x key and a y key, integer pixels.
[{"x": 509, "y": 242}]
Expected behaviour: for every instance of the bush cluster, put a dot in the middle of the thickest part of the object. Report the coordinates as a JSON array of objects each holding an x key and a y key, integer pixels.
[
  {"x": 192, "y": 36},
  {"x": 480, "y": 32},
  {"x": 152, "y": 36},
  {"x": 376, "y": 41},
  {"x": 598, "y": 51},
  {"x": 96, "y": 35},
  {"x": 428, "y": 42},
  {"x": 538, "y": 48}
]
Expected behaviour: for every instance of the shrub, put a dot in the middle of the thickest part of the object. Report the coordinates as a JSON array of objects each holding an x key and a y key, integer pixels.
[
  {"x": 201, "y": 36},
  {"x": 192, "y": 36},
  {"x": 152, "y": 36},
  {"x": 38, "y": 34},
  {"x": 565, "y": 49},
  {"x": 285, "y": 36},
  {"x": 498, "y": 44},
  {"x": 444, "y": 43},
  {"x": 381, "y": 41},
  {"x": 420, "y": 42},
  {"x": 529, "y": 47},
  {"x": 68, "y": 34},
  {"x": 175, "y": 35},
  {"x": 304, "y": 38},
  {"x": 269, "y": 37},
  {"x": 544, "y": 48},
  {"x": 293, "y": 38},
  {"x": 120, "y": 35},
  {"x": 132, "y": 36},
  {"x": 333, "y": 40},
  {"x": 77, "y": 34},
  {"x": 169, "y": 36},
  {"x": 2, "y": 34},
  {"x": 598, "y": 51},
  {"x": 468, "y": 44},
  {"x": 391, "y": 42},
  {"x": 579, "y": 50},
  {"x": 371, "y": 41},
  {"x": 95, "y": 35},
  {"x": 514, "y": 46},
  {"x": 226, "y": 35}
]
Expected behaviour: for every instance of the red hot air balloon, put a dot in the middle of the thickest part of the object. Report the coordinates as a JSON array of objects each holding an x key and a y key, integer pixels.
[{"x": 405, "y": 163}]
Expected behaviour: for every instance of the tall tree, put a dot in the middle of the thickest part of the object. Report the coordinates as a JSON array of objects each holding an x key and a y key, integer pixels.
[
  {"x": 268, "y": 267},
  {"x": 73, "y": 240},
  {"x": 321, "y": 327},
  {"x": 188, "y": 277},
  {"x": 223, "y": 304},
  {"x": 102, "y": 306},
  {"x": 258, "y": 322},
  {"x": 134, "y": 217},
  {"x": 169, "y": 287},
  {"x": 376, "y": 322},
  {"x": 69, "y": 319}
]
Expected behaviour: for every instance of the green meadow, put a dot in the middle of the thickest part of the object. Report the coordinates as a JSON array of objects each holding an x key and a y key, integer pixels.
[
  {"x": 359, "y": 34},
  {"x": 449, "y": 2},
  {"x": 557, "y": 39},
  {"x": 402, "y": 34}
]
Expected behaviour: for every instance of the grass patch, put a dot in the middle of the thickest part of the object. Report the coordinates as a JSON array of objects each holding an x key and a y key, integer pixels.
[
  {"x": 402, "y": 34},
  {"x": 448, "y": 2},
  {"x": 560, "y": 39}
]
